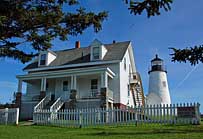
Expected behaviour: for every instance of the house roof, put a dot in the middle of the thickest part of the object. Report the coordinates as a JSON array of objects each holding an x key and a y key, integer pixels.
[{"x": 115, "y": 51}]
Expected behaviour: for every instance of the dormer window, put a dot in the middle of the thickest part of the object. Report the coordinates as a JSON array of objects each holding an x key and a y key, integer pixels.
[
  {"x": 43, "y": 59},
  {"x": 98, "y": 50},
  {"x": 46, "y": 57},
  {"x": 96, "y": 53}
]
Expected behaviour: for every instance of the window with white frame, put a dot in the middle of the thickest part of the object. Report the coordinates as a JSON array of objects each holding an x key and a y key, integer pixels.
[
  {"x": 43, "y": 59},
  {"x": 94, "y": 84},
  {"x": 95, "y": 52},
  {"x": 124, "y": 63},
  {"x": 94, "y": 87}
]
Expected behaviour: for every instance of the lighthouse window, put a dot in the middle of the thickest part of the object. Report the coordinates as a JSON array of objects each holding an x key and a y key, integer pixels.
[{"x": 164, "y": 83}]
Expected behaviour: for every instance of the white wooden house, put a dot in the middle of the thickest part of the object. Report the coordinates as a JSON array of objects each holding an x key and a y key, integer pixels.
[{"x": 100, "y": 75}]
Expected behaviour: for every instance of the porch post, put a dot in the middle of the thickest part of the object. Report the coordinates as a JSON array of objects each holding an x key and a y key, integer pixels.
[
  {"x": 104, "y": 93},
  {"x": 44, "y": 85},
  {"x": 43, "y": 88},
  {"x": 18, "y": 96},
  {"x": 20, "y": 85},
  {"x": 73, "y": 82},
  {"x": 104, "y": 80},
  {"x": 73, "y": 92}
]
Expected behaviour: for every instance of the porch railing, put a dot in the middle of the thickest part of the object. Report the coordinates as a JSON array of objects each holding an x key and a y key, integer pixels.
[
  {"x": 42, "y": 103},
  {"x": 57, "y": 104},
  {"x": 95, "y": 93}
]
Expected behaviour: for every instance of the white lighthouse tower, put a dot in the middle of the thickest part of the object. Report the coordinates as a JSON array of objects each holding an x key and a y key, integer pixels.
[{"x": 158, "y": 85}]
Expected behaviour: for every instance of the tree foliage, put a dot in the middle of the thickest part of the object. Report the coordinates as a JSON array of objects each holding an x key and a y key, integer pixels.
[
  {"x": 152, "y": 7},
  {"x": 38, "y": 22},
  {"x": 194, "y": 55}
]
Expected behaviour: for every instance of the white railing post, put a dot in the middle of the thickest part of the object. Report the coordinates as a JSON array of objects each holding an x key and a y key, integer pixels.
[
  {"x": 80, "y": 118},
  {"x": 6, "y": 116},
  {"x": 17, "y": 115}
]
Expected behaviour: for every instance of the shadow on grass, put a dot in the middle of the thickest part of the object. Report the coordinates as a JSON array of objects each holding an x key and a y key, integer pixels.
[{"x": 150, "y": 132}]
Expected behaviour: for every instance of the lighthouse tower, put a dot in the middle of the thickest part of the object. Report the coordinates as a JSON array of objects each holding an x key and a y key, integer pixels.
[{"x": 158, "y": 85}]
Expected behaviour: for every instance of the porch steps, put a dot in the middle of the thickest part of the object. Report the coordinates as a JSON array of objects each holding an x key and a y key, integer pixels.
[
  {"x": 137, "y": 98},
  {"x": 134, "y": 98},
  {"x": 49, "y": 104},
  {"x": 137, "y": 91}
]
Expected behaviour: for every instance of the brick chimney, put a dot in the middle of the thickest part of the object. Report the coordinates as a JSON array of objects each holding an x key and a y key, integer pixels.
[{"x": 77, "y": 44}]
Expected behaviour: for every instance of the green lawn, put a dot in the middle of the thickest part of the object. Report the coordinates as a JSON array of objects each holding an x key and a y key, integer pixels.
[{"x": 121, "y": 132}]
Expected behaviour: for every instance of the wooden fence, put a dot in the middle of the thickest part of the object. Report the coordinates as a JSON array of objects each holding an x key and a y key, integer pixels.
[
  {"x": 9, "y": 116},
  {"x": 160, "y": 114}
]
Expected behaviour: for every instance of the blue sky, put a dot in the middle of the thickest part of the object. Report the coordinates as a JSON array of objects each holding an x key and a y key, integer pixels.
[{"x": 181, "y": 27}]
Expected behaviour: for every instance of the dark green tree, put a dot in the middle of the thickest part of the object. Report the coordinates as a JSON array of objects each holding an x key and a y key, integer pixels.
[
  {"x": 193, "y": 55},
  {"x": 38, "y": 22},
  {"x": 35, "y": 23},
  {"x": 151, "y": 7}
]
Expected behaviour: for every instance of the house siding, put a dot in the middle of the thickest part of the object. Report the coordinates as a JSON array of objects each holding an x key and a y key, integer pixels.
[
  {"x": 33, "y": 88},
  {"x": 27, "y": 109},
  {"x": 114, "y": 84},
  {"x": 124, "y": 81}
]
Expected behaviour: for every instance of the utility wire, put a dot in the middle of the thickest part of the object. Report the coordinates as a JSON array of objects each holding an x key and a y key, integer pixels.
[{"x": 185, "y": 78}]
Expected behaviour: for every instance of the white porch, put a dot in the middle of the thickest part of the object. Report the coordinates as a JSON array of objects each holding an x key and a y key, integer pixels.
[{"x": 87, "y": 83}]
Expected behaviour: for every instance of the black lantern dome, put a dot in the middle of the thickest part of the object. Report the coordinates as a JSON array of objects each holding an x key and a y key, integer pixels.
[{"x": 157, "y": 64}]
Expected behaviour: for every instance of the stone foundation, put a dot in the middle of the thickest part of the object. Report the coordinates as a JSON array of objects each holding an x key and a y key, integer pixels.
[
  {"x": 72, "y": 103},
  {"x": 103, "y": 98},
  {"x": 18, "y": 99}
]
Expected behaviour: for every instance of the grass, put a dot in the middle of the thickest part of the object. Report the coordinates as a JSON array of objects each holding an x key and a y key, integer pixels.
[{"x": 103, "y": 132}]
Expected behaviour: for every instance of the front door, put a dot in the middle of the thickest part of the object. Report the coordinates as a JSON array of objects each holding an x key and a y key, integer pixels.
[{"x": 65, "y": 89}]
